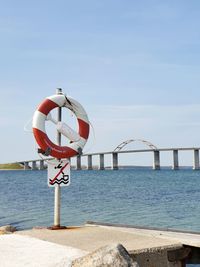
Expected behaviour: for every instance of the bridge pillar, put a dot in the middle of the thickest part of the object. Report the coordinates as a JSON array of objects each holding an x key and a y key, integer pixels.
[
  {"x": 41, "y": 167},
  {"x": 196, "y": 160},
  {"x": 34, "y": 167},
  {"x": 156, "y": 161},
  {"x": 101, "y": 162},
  {"x": 26, "y": 166},
  {"x": 90, "y": 162},
  {"x": 175, "y": 165},
  {"x": 78, "y": 162},
  {"x": 115, "y": 161}
]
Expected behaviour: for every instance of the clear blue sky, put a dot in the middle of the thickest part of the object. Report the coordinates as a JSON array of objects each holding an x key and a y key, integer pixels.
[{"x": 134, "y": 65}]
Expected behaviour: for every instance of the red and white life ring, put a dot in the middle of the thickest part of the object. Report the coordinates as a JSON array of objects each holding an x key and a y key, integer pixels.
[{"x": 40, "y": 116}]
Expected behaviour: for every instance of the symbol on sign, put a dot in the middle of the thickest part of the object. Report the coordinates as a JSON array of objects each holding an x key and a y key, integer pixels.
[
  {"x": 59, "y": 166},
  {"x": 60, "y": 171}
]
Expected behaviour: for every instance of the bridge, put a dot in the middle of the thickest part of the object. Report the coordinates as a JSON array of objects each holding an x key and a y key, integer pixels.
[{"x": 32, "y": 164}]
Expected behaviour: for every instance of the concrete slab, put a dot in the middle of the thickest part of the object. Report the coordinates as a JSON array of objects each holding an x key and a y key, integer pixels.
[
  {"x": 22, "y": 251},
  {"x": 89, "y": 238},
  {"x": 185, "y": 238}
]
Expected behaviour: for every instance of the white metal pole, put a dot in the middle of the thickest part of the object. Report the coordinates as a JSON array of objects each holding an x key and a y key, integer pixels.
[{"x": 57, "y": 186}]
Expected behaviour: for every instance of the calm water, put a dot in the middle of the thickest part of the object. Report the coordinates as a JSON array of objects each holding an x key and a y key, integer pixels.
[{"x": 140, "y": 197}]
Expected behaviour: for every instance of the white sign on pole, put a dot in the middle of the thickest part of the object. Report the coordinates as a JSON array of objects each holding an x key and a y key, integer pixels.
[{"x": 58, "y": 172}]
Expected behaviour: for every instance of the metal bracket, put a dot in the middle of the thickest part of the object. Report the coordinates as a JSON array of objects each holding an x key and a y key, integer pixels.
[
  {"x": 80, "y": 151},
  {"x": 46, "y": 152}
]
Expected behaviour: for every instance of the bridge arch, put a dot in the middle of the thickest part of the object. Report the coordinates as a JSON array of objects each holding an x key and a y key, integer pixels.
[{"x": 123, "y": 144}]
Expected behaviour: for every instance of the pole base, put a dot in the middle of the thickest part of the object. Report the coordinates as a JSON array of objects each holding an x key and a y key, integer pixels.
[{"x": 57, "y": 227}]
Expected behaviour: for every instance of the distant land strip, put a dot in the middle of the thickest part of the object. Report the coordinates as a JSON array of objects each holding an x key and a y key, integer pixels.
[
  {"x": 18, "y": 166},
  {"x": 11, "y": 166}
]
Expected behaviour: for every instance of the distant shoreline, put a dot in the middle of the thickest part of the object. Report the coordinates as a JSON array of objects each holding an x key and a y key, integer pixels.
[
  {"x": 11, "y": 166},
  {"x": 12, "y": 169}
]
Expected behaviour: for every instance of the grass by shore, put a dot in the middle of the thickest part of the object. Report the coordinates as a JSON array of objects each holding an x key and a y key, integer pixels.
[{"x": 11, "y": 166}]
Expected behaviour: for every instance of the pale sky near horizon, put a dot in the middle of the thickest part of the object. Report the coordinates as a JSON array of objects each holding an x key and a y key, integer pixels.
[{"x": 133, "y": 65}]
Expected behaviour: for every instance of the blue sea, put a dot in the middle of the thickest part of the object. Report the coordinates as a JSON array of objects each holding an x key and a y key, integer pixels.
[{"x": 140, "y": 197}]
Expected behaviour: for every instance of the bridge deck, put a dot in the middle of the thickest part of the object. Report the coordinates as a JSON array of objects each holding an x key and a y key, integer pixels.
[{"x": 128, "y": 151}]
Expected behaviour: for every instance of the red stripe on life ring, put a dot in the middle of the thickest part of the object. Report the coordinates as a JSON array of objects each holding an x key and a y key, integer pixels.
[
  {"x": 84, "y": 129},
  {"x": 56, "y": 151},
  {"x": 46, "y": 106}
]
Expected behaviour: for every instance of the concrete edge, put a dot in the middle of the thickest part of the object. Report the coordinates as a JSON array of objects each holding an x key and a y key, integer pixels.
[
  {"x": 156, "y": 249},
  {"x": 92, "y": 223}
]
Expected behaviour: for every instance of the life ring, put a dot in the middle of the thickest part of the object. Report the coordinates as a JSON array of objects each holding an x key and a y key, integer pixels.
[{"x": 42, "y": 139}]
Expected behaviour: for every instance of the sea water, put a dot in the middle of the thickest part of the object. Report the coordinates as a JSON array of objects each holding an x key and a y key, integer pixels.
[{"x": 140, "y": 197}]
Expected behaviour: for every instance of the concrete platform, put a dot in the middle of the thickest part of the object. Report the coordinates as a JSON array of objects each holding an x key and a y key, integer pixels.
[
  {"x": 146, "y": 250},
  {"x": 89, "y": 238},
  {"x": 149, "y": 247}
]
